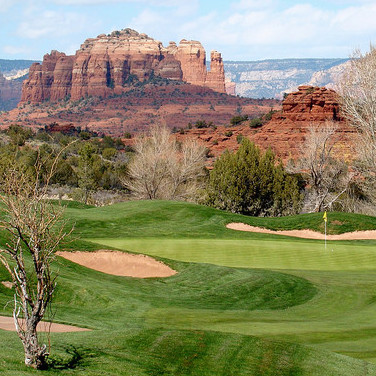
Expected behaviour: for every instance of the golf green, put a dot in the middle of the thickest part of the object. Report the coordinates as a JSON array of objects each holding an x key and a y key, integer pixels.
[{"x": 275, "y": 252}]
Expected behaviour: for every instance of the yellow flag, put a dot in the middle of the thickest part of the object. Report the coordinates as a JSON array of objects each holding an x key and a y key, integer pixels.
[{"x": 325, "y": 217}]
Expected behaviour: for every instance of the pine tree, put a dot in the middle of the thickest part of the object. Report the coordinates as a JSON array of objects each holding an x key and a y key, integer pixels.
[{"x": 252, "y": 183}]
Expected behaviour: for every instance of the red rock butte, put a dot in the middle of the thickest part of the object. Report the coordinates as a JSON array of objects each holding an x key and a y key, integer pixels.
[
  {"x": 286, "y": 132},
  {"x": 311, "y": 103},
  {"x": 106, "y": 65}
]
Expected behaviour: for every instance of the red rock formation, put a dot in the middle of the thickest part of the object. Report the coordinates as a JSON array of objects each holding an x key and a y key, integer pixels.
[
  {"x": 214, "y": 78},
  {"x": 311, "y": 104},
  {"x": 37, "y": 88},
  {"x": 192, "y": 57},
  {"x": 301, "y": 110},
  {"x": 62, "y": 79},
  {"x": 172, "y": 103},
  {"x": 109, "y": 63},
  {"x": 285, "y": 134},
  {"x": 68, "y": 129}
]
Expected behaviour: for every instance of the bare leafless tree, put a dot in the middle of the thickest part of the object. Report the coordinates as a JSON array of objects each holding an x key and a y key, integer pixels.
[
  {"x": 327, "y": 177},
  {"x": 35, "y": 229},
  {"x": 163, "y": 168},
  {"x": 357, "y": 89}
]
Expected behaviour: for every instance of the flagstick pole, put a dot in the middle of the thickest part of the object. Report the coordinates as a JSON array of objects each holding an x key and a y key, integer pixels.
[{"x": 325, "y": 234}]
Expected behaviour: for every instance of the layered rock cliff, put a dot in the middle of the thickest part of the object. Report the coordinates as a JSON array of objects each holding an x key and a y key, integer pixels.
[
  {"x": 108, "y": 64},
  {"x": 311, "y": 103}
]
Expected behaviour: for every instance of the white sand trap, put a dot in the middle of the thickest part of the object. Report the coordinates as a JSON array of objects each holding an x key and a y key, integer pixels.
[
  {"x": 120, "y": 263},
  {"x": 306, "y": 234},
  {"x": 7, "y": 323}
]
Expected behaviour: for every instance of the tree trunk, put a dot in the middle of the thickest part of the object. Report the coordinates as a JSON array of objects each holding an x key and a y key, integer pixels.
[{"x": 35, "y": 355}]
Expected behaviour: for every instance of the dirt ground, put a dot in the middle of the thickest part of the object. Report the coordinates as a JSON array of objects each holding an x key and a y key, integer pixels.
[
  {"x": 120, "y": 263},
  {"x": 307, "y": 234}
]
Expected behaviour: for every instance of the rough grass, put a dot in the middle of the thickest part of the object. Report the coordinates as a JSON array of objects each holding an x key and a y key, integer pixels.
[{"x": 208, "y": 319}]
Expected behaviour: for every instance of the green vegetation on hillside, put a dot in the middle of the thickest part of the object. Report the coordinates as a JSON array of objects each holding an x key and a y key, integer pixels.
[{"x": 89, "y": 169}]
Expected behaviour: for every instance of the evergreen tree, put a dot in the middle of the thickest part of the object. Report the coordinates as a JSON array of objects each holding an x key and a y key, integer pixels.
[
  {"x": 85, "y": 170},
  {"x": 252, "y": 183}
]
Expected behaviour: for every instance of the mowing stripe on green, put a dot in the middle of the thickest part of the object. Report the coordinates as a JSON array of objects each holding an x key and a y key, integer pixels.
[{"x": 267, "y": 254}]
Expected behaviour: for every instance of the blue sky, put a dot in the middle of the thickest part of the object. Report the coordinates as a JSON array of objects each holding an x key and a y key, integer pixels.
[{"x": 239, "y": 29}]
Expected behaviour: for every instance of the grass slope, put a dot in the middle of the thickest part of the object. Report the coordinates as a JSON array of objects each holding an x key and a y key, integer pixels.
[
  {"x": 208, "y": 319},
  {"x": 136, "y": 219}
]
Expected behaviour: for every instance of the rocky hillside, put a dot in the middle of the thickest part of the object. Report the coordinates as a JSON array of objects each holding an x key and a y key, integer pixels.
[
  {"x": 110, "y": 64},
  {"x": 154, "y": 101},
  {"x": 273, "y": 78},
  {"x": 286, "y": 132}
]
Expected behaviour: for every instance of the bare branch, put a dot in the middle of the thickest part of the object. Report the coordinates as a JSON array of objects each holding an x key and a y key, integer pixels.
[
  {"x": 35, "y": 230},
  {"x": 164, "y": 169},
  {"x": 327, "y": 177},
  {"x": 357, "y": 90}
]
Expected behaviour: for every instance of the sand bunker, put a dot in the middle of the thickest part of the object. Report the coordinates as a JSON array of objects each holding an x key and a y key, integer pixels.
[
  {"x": 307, "y": 234},
  {"x": 7, "y": 323},
  {"x": 120, "y": 263}
]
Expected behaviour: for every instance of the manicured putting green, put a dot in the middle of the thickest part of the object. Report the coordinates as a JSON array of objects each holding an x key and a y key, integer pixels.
[{"x": 271, "y": 253}]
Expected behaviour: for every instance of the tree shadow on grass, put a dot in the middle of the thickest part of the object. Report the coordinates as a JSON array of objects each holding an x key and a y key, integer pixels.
[{"x": 75, "y": 357}]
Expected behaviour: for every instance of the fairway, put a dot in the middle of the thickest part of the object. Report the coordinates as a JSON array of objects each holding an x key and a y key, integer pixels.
[
  {"x": 240, "y": 303},
  {"x": 272, "y": 253}
]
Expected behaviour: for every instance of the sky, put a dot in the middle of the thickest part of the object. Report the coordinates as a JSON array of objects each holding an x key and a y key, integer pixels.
[{"x": 242, "y": 30}]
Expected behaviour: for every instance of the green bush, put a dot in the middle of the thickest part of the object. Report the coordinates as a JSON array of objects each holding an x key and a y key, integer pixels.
[
  {"x": 18, "y": 135},
  {"x": 268, "y": 116},
  {"x": 238, "y": 119},
  {"x": 203, "y": 124},
  {"x": 255, "y": 123},
  {"x": 239, "y": 138},
  {"x": 251, "y": 183}
]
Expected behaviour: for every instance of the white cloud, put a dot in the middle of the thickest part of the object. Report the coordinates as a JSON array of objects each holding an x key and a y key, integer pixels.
[
  {"x": 147, "y": 20},
  {"x": 253, "y": 4},
  {"x": 186, "y": 8},
  {"x": 16, "y": 50},
  {"x": 95, "y": 2},
  {"x": 6, "y": 4},
  {"x": 277, "y": 28},
  {"x": 51, "y": 24},
  {"x": 359, "y": 19},
  {"x": 238, "y": 28}
]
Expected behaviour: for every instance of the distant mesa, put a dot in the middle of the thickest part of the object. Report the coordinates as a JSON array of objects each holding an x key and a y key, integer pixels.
[
  {"x": 9, "y": 93},
  {"x": 108, "y": 64}
]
